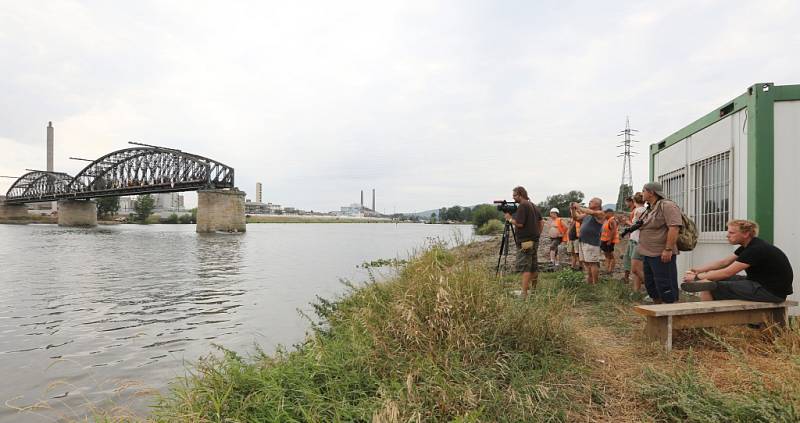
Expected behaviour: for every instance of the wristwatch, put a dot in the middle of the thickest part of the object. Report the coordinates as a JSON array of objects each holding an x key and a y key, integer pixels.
[{"x": 668, "y": 249}]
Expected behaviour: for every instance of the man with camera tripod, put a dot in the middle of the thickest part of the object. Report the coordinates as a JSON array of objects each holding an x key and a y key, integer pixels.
[{"x": 528, "y": 224}]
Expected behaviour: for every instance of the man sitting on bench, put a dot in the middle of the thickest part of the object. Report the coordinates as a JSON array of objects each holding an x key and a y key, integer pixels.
[{"x": 769, "y": 274}]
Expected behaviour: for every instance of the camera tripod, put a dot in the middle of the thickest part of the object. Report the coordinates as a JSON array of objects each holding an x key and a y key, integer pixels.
[{"x": 509, "y": 228}]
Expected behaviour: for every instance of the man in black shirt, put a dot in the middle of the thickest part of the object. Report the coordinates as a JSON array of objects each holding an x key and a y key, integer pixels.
[
  {"x": 528, "y": 224},
  {"x": 769, "y": 273}
]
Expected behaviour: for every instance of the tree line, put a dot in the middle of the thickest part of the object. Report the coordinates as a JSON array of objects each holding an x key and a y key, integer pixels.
[
  {"x": 143, "y": 208},
  {"x": 482, "y": 213}
]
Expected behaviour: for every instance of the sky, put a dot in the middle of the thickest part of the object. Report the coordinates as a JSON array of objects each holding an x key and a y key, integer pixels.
[{"x": 430, "y": 103}]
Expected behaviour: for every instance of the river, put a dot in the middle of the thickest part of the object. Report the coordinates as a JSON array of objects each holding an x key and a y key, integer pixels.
[{"x": 105, "y": 317}]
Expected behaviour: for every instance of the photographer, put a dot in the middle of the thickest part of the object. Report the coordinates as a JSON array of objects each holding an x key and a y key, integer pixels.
[
  {"x": 528, "y": 224},
  {"x": 591, "y": 219},
  {"x": 657, "y": 244}
]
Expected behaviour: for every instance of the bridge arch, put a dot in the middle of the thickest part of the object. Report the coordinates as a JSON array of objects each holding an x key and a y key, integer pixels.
[
  {"x": 140, "y": 170},
  {"x": 39, "y": 185}
]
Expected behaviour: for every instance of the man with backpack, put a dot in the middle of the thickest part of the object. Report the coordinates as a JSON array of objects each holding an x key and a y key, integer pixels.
[{"x": 658, "y": 238}]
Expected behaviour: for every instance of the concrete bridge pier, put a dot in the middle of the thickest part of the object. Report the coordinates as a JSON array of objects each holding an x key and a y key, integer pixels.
[
  {"x": 13, "y": 211},
  {"x": 220, "y": 210},
  {"x": 77, "y": 213}
]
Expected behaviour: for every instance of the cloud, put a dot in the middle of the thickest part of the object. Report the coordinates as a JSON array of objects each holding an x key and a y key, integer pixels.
[{"x": 430, "y": 103}]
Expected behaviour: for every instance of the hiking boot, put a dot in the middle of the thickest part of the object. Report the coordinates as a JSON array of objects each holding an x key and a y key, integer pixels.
[{"x": 699, "y": 286}]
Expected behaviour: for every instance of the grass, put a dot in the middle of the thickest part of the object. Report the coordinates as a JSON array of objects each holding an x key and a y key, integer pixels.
[
  {"x": 686, "y": 396},
  {"x": 442, "y": 342},
  {"x": 446, "y": 341}
]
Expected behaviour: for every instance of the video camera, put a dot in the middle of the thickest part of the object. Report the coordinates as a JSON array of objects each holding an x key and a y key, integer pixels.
[{"x": 504, "y": 206}]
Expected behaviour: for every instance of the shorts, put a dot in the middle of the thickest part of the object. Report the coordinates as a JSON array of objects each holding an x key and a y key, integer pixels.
[
  {"x": 607, "y": 247},
  {"x": 527, "y": 261},
  {"x": 554, "y": 243},
  {"x": 741, "y": 288},
  {"x": 631, "y": 254},
  {"x": 590, "y": 253},
  {"x": 573, "y": 246}
]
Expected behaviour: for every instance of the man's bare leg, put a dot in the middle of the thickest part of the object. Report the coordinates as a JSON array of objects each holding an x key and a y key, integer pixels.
[
  {"x": 594, "y": 272},
  {"x": 526, "y": 281},
  {"x": 637, "y": 270}
]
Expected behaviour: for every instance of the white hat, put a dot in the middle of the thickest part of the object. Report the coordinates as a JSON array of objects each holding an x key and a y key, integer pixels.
[{"x": 554, "y": 210}]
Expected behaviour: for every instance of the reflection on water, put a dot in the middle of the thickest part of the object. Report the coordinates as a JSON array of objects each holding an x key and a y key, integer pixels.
[{"x": 92, "y": 316}]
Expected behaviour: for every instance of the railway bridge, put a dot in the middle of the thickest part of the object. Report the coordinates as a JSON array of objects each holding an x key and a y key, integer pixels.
[{"x": 133, "y": 171}]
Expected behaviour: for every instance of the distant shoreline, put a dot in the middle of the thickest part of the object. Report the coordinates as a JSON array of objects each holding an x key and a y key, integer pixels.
[{"x": 316, "y": 219}]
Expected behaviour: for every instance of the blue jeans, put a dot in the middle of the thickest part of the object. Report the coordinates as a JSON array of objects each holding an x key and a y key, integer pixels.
[{"x": 661, "y": 279}]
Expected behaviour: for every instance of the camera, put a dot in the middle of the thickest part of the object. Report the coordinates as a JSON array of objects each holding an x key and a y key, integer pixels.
[
  {"x": 630, "y": 229},
  {"x": 636, "y": 225},
  {"x": 504, "y": 206}
]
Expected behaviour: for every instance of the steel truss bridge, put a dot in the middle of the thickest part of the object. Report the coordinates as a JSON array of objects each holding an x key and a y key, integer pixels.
[{"x": 130, "y": 171}]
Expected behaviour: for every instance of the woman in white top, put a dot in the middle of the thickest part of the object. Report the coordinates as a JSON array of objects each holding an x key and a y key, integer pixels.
[{"x": 633, "y": 261}]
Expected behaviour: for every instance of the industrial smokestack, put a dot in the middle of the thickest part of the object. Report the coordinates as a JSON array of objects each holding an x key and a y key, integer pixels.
[
  {"x": 362, "y": 198},
  {"x": 373, "y": 199},
  {"x": 49, "y": 146}
]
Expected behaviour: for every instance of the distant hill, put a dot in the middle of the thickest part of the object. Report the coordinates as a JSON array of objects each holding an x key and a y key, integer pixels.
[{"x": 612, "y": 206}]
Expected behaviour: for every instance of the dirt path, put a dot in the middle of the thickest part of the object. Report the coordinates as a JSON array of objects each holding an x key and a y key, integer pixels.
[{"x": 612, "y": 356}]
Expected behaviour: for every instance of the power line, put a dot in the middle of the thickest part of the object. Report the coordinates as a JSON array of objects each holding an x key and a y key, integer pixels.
[{"x": 626, "y": 183}]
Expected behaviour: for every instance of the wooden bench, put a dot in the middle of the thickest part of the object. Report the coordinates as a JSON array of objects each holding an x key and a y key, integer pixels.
[{"x": 663, "y": 319}]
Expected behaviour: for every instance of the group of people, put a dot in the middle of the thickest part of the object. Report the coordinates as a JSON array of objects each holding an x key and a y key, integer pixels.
[{"x": 651, "y": 256}]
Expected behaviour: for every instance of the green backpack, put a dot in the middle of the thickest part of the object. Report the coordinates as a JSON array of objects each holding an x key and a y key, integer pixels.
[{"x": 687, "y": 235}]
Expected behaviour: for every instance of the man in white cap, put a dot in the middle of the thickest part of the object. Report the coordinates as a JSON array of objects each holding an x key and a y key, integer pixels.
[{"x": 557, "y": 234}]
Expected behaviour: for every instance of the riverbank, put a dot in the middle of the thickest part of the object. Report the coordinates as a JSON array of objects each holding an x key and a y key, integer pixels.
[
  {"x": 445, "y": 341},
  {"x": 315, "y": 219}
]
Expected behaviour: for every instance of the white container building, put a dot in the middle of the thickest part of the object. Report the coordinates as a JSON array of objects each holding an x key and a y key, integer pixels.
[{"x": 739, "y": 161}]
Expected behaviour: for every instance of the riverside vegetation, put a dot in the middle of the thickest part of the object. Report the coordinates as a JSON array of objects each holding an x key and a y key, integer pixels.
[{"x": 445, "y": 341}]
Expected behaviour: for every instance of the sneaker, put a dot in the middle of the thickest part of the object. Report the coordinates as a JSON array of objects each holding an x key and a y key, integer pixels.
[
  {"x": 647, "y": 299},
  {"x": 699, "y": 286}
]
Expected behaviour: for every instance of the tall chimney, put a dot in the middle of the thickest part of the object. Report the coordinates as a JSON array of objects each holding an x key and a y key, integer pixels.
[
  {"x": 49, "y": 146},
  {"x": 373, "y": 199},
  {"x": 362, "y": 198}
]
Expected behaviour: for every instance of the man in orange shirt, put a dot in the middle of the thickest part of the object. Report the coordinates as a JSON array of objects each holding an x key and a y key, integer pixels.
[{"x": 609, "y": 238}]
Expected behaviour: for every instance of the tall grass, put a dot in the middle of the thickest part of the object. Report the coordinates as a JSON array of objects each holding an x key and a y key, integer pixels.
[
  {"x": 441, "y": 342},
  {"x": 684, "y": 396}
]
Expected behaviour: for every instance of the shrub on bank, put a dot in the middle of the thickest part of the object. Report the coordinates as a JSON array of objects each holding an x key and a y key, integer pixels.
[
  {"x": 443, "y": 341},
  {"x": 491, "y": 227}
]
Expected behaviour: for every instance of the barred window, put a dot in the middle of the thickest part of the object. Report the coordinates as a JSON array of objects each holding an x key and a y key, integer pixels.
[
  {"x": 711, "y": 193},
  {"x": 674, "y": 184}
]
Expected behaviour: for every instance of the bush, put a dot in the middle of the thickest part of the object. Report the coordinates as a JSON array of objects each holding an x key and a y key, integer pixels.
[
  {"x": 484, "y": 213},
  {"x": 185, "y": 219},
  {"x": 491, "y": 227},
  {"x": 172, "y": 219}
]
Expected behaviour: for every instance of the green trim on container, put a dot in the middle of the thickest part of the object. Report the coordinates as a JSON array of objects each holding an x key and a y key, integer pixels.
[
  {"x": 787, "y": 92},
  {"x": 761, "y": 160}
]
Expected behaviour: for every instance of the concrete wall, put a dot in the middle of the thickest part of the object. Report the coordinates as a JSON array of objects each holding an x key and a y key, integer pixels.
[
  {"x": 13, "y": 211},
  {"x": 77, "y": 213},
  {"x": 787, "y": 156},
  {"x": 220, "y": 210}
]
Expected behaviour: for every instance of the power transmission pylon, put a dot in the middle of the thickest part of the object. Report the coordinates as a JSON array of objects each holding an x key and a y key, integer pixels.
[{"x": 626, "y": 185}]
